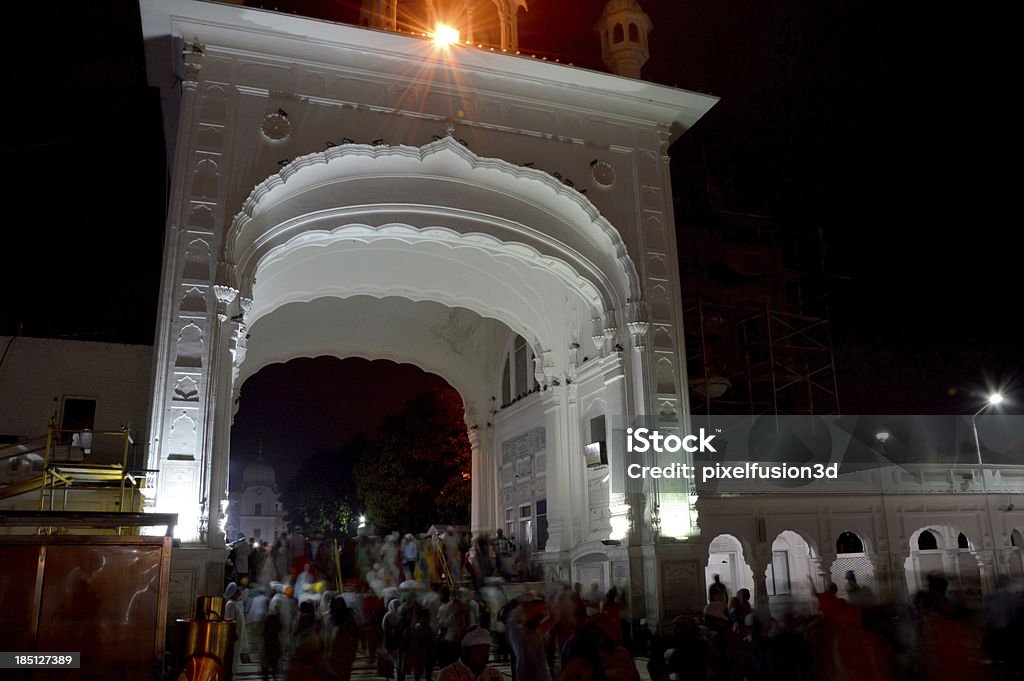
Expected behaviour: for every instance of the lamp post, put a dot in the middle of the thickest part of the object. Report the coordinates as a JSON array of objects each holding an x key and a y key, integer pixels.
[
  {"x": 881, "y": 437},
  {"x": 993, "y": 399}
]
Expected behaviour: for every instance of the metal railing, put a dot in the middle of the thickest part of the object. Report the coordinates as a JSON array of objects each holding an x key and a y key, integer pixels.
[{"x": 83, "y": 459}]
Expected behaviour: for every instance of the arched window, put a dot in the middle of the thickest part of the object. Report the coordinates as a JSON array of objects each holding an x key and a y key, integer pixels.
[
  {"x": 961, "y": 541},
  {"x": 506, "y": 383},
  {"x": 1016, "y": 539},
  {"x": 617, "y": 34},
  {"x": 634, "y": 34},
  {"x": 927, "y": 541},
  {"x": 849, "y": 542},
  {"x": 517, "y": 378}
]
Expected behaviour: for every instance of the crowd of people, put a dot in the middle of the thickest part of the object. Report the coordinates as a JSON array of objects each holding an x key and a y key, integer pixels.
[
  {"x": 445, "y": 555},
  {"x": 412, "y": 606},
  {"x": 433, "y": 608},
  {"x": 850, "y": 636}
]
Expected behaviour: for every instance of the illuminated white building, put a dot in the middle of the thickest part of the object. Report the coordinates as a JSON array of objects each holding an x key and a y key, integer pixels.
[
  {"x": 255, "y": 510},
  {"x": 501, "y": 221}
]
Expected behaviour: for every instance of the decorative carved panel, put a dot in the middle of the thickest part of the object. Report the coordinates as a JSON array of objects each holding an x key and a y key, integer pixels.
[
  {"x": 201, "y": 216},
  {"x": 678, "y": 587},
  {"x": 666, "y": 377},
  {"x": 197, "y": 261},
  {"x": 205, "y": 179},
  {"x": 210, "y": 137},
  {"x": 190, "y": 346},
  {"x": 186, "y": 389},
  {"x": 214, "y": 105},
  {"x": 194, "y": 300}
]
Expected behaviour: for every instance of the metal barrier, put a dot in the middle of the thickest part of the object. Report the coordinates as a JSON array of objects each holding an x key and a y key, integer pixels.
[{"x": 102, "y": 596}]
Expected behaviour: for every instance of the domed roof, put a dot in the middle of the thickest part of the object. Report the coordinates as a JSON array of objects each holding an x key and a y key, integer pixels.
[
  {"x": 613, "y": 6},
  {"x": 259, "y": 472}
]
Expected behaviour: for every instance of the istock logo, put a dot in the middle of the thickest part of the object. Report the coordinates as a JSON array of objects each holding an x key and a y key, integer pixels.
[{"x": 644, "y": 439}]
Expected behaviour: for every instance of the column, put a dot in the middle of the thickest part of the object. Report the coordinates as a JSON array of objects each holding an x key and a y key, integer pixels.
[
  {"x": 228, "y": 347},
  {"x": 987, "y": 571},
  {"x": 564, "y": 497},
  {"x": 482, "y": 478},
  {"x": 821, "y": 571},
  {"x": 759, "y": 566}
]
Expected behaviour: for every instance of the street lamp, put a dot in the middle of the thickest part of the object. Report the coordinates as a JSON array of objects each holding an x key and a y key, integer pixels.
[{"x": 993, "y": 400}]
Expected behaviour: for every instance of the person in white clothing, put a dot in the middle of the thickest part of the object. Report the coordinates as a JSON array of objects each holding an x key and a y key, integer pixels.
[
  {"x": 472, "y": 662},
  {"x": 410, "y": 555},
  {"x": 234, "y": 611}
]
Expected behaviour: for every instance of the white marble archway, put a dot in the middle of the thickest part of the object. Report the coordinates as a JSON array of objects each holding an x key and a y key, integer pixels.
[{"x": 407, "y": 254}]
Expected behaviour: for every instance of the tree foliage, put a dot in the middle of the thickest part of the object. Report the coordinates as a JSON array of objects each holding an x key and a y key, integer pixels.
[
  {"x": 322, "y": 493},
  {"x": 416, "y": 471},
  {"x": 413, "y": 473}
]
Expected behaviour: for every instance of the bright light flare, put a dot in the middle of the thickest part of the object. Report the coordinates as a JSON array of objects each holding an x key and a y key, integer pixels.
[
  {"x": 995, "y": 398},
  {"x": 445, "y": 35}
]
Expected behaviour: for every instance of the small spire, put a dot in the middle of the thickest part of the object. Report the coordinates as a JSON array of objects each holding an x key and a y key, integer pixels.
[{"x": 624, "y": 27}]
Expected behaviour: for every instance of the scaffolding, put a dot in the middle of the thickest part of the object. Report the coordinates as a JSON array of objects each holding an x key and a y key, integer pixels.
[
  {"x": 753, "y": 345},
  {"x": 757, "y": 360},
  {"x": 69, "y": 461},
  {"x": 90, "y": 459}
]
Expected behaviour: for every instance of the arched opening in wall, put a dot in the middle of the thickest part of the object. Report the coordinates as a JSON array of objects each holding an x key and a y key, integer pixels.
[
  {"x": 320, "y": 273},
  {"x": 968, "y": 570},
  {"x": 852, "y": 561},
  {"x": 727, "y": 562},
  {"x": 618, "y": 35},
  {"x": 925, "y": 558},
  {"x": 789, "y": 576},
  {"x": 634, "y": 34},
  {"x": 321, "y": 443},
  {"x": 486, "y": 25},
  {"x": 518, "y": 377},
  {"x": 849, "y": 542},
  {"x": 946, "y": 551},
  {"x": 593, "y": 573},
  {"x": 1016, "y": 562}
]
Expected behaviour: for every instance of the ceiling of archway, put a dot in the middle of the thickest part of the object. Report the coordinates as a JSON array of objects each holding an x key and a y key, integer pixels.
[
  {"x": 539, "y": 299},
  {"x": 457, "y": 344},
  {"x": 443, "y": 185}
]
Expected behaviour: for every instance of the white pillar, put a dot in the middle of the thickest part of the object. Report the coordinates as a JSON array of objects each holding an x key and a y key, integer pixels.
[
  {"x": 227, "y": 349},
  {"x": 565, "y": 489},
  {"x": 482, "y": 480}
]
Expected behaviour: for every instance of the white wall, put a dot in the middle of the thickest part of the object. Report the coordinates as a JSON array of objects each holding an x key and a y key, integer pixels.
[{"x": 38, "y": 372}]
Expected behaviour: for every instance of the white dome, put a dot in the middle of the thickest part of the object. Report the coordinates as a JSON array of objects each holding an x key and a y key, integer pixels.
[{"x": 259, "y": 472}]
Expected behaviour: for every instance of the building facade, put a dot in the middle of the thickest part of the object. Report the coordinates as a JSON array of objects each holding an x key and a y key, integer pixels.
[
  {"x": 71, "y": 385},
  {"x": 501, "y": 221},
  {"x": 505, "y": 223},
  {"x": 891, "y": 526},
  {"x": 255, "y": 510}
]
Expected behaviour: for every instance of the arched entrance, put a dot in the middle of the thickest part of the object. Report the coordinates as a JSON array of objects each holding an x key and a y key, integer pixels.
[
  {"x": 346, "y": 253},
  {"x": 312, "y": 421},
  {"x": 852, "y": 556},
  {"x": 1015, "y": 560},
  {"x": 790, "y": 574},
  {"x": 947, "y": 551},
  {"x": 726, "y": 559},
  {"x": 433, "y": 225}
]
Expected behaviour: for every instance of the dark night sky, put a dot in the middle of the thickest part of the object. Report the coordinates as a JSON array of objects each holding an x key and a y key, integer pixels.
[{"x": 881, "y": 126}]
